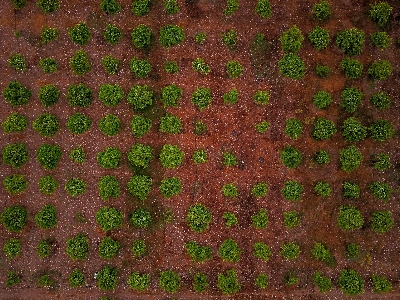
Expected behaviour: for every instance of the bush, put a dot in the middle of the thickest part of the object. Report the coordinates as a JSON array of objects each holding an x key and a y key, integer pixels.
[
  {"x": 350, "y": 41},
  {"x": 350, "y": 158},
  {"x": 200, "y": 283},
  {"x": 12, "y": 277},
  {"x": 140, "y": 186},
  {"x": 200, "y": 128},
  {"x": 78, "y": 247},
  {"x": 198, "y": 217},
  {"x": 323, "y": 129},
  {"x": 291, "y": 278},
  {"x": 140, "y": 68},
  {"x": 263, "y": 8},
  {"x": 48, "y": 34},
  {"x": 321, "y": 10},
  {"x": 260, "y": 219},
  {"x": 78, "y": 123},
  {"x": 350, "y": 218},
  {"x": 229, "y": 251},
  {"x": 139, "y": 282},
  {"x": 140, "y": 7},
  {"x": 76, "y": 278},
  {"x": 169, "y": 281},
  {"x": 229, "y": 39},
  {"x": 43, "y": 249},
  {"x": 170, "y": 186},
  {"x": 380, "y": 69},
  {"x": 77, "y": 155},
  {"x": 171, "y": 156},
  {"x": 290, "y": 157},
  {"x": 109, "y": 218},
  {"x": 294, "y": 128},
  {"x": 228, "y": 282},
  {"x": 79, "y": 34},
  {"x": 48, "y": 95},
  {"x": 110, "y": 7},
  {"x": 262, "y": 281},
  {"x": 322, "y": 71},
  {"x": 351, "y": 190},
  {"x": 140, "y": 97},
  {"x": 48, "y": 6},
  {"x": 12, "y": 248},
  {"x": 234, "y": 69},
  {"x": 261, "y": 97},
  {"x": 14, "y": 218},
  {"x": 17, "y": 61},
  {"x": 200, "y": 66},
  {"x": 200, "y": 38},
  {"x": 351, "y": 282},
  {"x": 75, "y": 187},
  {"x": 141, "y": 37},
  {"x": 231, "y": 7},
  {"x": 323, "y": 283},
  {"x": 319, "y": 38},
  {"x": 46, "y": 218},
  {"x": 170, "y": 95},
  {"x": 108, "y": 187},
  {"x": 79, "y": 95},
  {"x": 171, "y": 35},
  {"x": 382, "y": 221},
  {"x": 15, "y": 155},
  {"x": 290, "y": 250},
  {"x": 352, "y": 68},
  {"x": 380, "y": 13},
  {"x": 15, "y": 122},
  {"x": 171, "y": 7},
  {"x": 109, "y": 158},
  {"x": 322, "y": 253},
  {"x": 381, "y": 190},
  {"x": 107, "y": 278},
  {"x": 140, "y": 155},
  {"x": 262, "y": 251},
  {"x": 323, "y": 189},
  {"x": 170, "y": 124},
  {"x": 351, "y": 99},
  {"x": 230, "y": 159},
  {"x": 108, "y": 248},
  {"x": 230, "y": 190},
  {"x": 352, "y": 251},
  {"x": 171, "y": 67},
  {"x": 48, "y": 65},
  {"x": 291, "y": 40},
  {"x": 322, "y": 99},
  {"x": 46, "y": 125},
  {"x": 381, "y": 100},
  {"x": 110, "y": 64},
  {"x": 47, "y": 185},
  {"x": 18, "y": 4},
  {"x": 382, "y": 162},
  {"x": 46, "y": 281},
  {"x": 381, "y": 39},
  {"x": 197, "y": 252},
  {"x": 112, "y": 34},
  {"x": 321, "y": 157},
  {"x": 110, "y": 125},
  {"x": 231, "y": 97},
  {"x": 16, "y": 94},
  {"x": 262, "y": 127},
  {"x": 15, "y": 184},
  {"x": 200, "y": 156},
  {"x": 353, "y": 130},
  {"x": 292, "y": 66},
  {"x": 202, "y": 98},
  {"x": 138, "y": 248},
  {"x": 110, "y": 94},
  {"x": 292, "y": 190},
  {"x": 79, "y": 63},
  {"x": 381, "y": 130},
  {"x": 230, "y": 219},
  {"x": 140, "y": 126},
  {"x": 141, "y": 218},
  {"x": 291, "y": 219},
  {"x": 260, "y": 189},
  {"x": 381, "y": 284}
]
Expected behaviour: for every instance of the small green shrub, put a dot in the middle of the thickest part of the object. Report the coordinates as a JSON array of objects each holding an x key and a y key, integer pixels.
[
  {"x": 48, "y": 95},
  {"x": 198, "y": 217},
  {"x": 78, "y": 247},
  {"x": 110, "y": 64},
  {"x": 200, "y": 283},
  {"x": 291, "y": 278},
  {"x": 140, "y": 155},
  {"x": 381, "y": 190},
  {"x": 321, "y": 157},
  {"x": 322, "y": 71},
  {"x": 382, "y": 162},
  {"x": 171, "y": 35},
  {"x": 234, "y": 69},
  {"x": 260, "y": 189},
  {"x": 262, "y": 127},
  {"x": 352, "y": 251},
  {"x": 352, "y": 68},
  {"x": 229, "y": 159},
  {"x": 15, "y": 122},
  {"x": 290, "y": 250},
  {"x": 382, "y": 221},
  {"x": 140, "y": 97},
  {"x": 141, "y": 218},
  {"x": 380, "y": 13},
  {"x": 261, "y": 281},
  {"x": 76, "y": 278},
  {"x": 141, "y": 7},
  {"x": 381, "y": 284},
  {"x": 46, "y": 281},
  {"x": 263, "y": 8},
  {"x": 110, "y": 125},
  {"x": 230, "y": 219},
  {"x": 78, "y": 123},
  {"x": 77, "y": 155},
  {"x": 231, "y": 7},
  {"x": 293, "y": 128},
  {"x": 79, "y": 63},
  {"x": 17, "y": 61},
  {"x": 381, "y": 39},
  {"x": 321, "y": 10},
  {"x": 290, "y": 157},
  {"x": 109, "y": 158},
  {"x": 108, "y": 248},
  {"x": 202, "y": 98},
  {"x": 351, "y": 190},
  {"x": 170, "y": 186},
  {"x": 48, "y": 65},
  {"x": 228, "y": 283},
  {"x": 380, "y": 69},
  {"x": 351, "y": 283},
  {"x": 229, "y": 39},
  {"x": 48, "y": 34},
  {"x": 79, "y": 95},
  {"x": 350, "y": 218},
  {"x": 46, "y": 125},
  {"x": 229, "y": 251},
  {"x": 292, "y": 66},
  {"x": 169, "y": 281},
  {"x": 197, "y": 252},
  {"x": 110, "y": 7},
  {"x": 109, "y": 218},
  {"x": 292, "y": 190},
  {"x": 141, "y": 36},
  {"x": 171, "y": 95},
  {"x": 140, "y": 68},
  {"x": 107, "y": 278},
  {"x": 353, "y": 130},
  {"x": 381, "y": 130},
  {"x": 324, "y": 129},
  {"x": 291, "y": 219},
  {"x": 200, "y": 156},
  {"x": 171, "y": 67},
  {"x": 322, "y": 253},
  {"x": 16, "y": 94},
  {"x": 231, "y": 97},
  {"x": 351, "y": 99},
  {"x": 230, "y": 190},
  {"x": 14, "y": 218},
  {"x": 140, "y": 126},
  {"x": 139, "y": 282},
  {"x": 350, "y": 158},
  {"x": 322, "y": 99},
  {"x": 140, "y": 186},
  {"x": 381, "y": 100},
  {"x": 79, "y": 34},
  {"x": 108, "y": 187},
  {"x": 46, "y": 218},
  {"x": 47, "y": 185},
  {"x": 170, "y": 124},
  {"x": 43, "y": 249},
  {"x": 323, "y": 283},
  {"x": 112, "y": 34},
  {"x": 15, "y": 184},
  {"x": 200, "y": 38},
  {"x": 48, "y": 6},
  {"x": 171, "y": 156},
  {"x": 171, "y": 6},
  {"x": 261, "y": 97},
  {"x": 15, "y": 155},
  {"x": 291, "y": 40},
  {"x": 200, "y": 128},
  {"x": 323, "y": 189},
  {"x": 18, "y": 4},
  {"x": 12, "y": 248},
  {"x": 260, "y": 220},
  {"x": 138, "y": 248},
  {"x": 200, "y": 66},
  {"x": 319, "y": 38},
  {"x": 350, "y": 41},
  {"x": 262, "y": 251},
  {"x": 75, "y": 187}
]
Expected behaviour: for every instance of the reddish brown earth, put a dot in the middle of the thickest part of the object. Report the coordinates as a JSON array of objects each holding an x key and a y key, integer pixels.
[{"x": 229, "y": 128}]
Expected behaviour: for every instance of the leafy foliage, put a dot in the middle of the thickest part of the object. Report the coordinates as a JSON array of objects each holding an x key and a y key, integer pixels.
[
  {"x": 380, "y": 69},
  {"x": 350, "y": 158},
  {"x": 263, "y": 8},
  {"x": 321, "y": 10},
  {"x": 110, "y": 125},
  {"x": 323, "y": 283},
  {"x": 350, "y": 41},
  {"x": 381, "y": 130},
  {"x": 200, "y": 156},
  {"x": 230, "y": 219},
  {"x": 109, "y": 158},
  {"x": 112, "y": 34},
  {"x": 200, "y": 128},
  {"x": 18, "y": 4},
  {"x": 79, "y": 63},
  {"x": 290, "y": 157},
  {"x": 291, "y": 219},
  {"x": 140, "y": 155},
  {"x": 141, "y": 7},
  {"x": 323, "y": 189},
  {"x": 79, "y": 34},
  {"x": 229, "y": 39},
  {"x": 47, "y": 185},
  {"x": 230, "y": 251},
  {"x": 262, "y": 251},
  {"x": 48, "y": 95},
  {"x": 352, "y": 251},
  {"x": 381, "y": 284},
  {"x": 170, "y": 186},
  {"x": 228, "y": 283},
  {"x": 107, "y": 278},
  {"x": 197, "y": 252},
  {"x": 43, "y": 249},
  {"x": 141, "y": 218},
  {"x": 322, "y": 99},
  {"x": 200, "y": 66},
  {"x": 15, "y": 122},
  {"x": 290, "y": 250},
  {"x": 12, "y": 277},
  {"x": 202, "y": 98},
  {"x": 140, "y": 68},
  {"x": 108, "y": 187},
  {"x": 231, "y": 97},
  {"x": 141, "y": 36},
  {"x": 322, "y": 253},
  {"x": 200, "y": 283},
  {"x": 350, "y": 218},
  {"x": 291, "y": 40},
  {"x": 76, "y": 278},
  {"x": 139, "y": 282},
  {"x": 46, "y": 125},
  {"x": 352, "y": 68},
  {"x": 234, "y": 69},
  {"x": 351, "y": 283},
  {"x": 260, "y": 219},
  {"x": 140, "y": 97},
  {"x": 15, "y": 184},
  {"x": 381, "y": 39},
  {"x": 319, "y": 38},
  {"x": 78, "y": 123},
  {"x": 171, "y": 156},
  {"x": 382, "y": 221},
  {"x": 351, "y": 99},
  {"x": 110, "y": 7},
  {"x": 198, "y": 217},
  {"x": 75, "y": 187},
  {"x": 230, "y": 159},
  {"x": 171, "y": 67},
  {"x": 108, "y": 248},
  {"x": 78, "y": 247},
  {"x": 109, "y": 218},
  {"x": 261, "y": 97},
  {"x": 353, "y": 130},
  {"x": 380, "y": 13},
  {"x": 231, "y": 7},
  {"x": 16, "y": 94},
  {"x": 48, "y": 65},
  {"x": 323, "y": 129},
  {"x": 292, "y": 190},
  {"x": 46, "y": 218},
  {"x": 17, "y": 61},
  {"x": 170, "y": 95},
  {"x": 322, "y": 71},
  {"x": 15, "y": 155},
  {"x": 230, "y": 190},
  {"x": 200, "y": 38},
  {"x": 171, "y": 35},
  {"x": 170, "y": 281},
  {"x": 170, "y": 124},
  {"x": 262, "y": 281},
  {"x": 381, "y": 190},
  {"x": 139, "y": 186},
  {"x": 294, "y": 128},
  {"x": 79, "y": 95},
  {"x": 381, "y": 100},
  {"x": 14, "y": 218},
  {"x": 12, "y": 248},
  {"x": 351, "y": 190},
  {"x": 77, "y": 155},
  {"x": 382, "y": 162},
  {"x": 140, "y": 126},
  {"x": 292, "y": 66},
  {"x": 48, "y": 34},
  {"x": 322, "y": 157},
  {"x": 46, "y": 281},
  {"x": 48, "y": 6},
  {"x": 262, "y": 127},
  {"x": 110, "y": 64},
  {"x": 138, "y": 248},
  {"x": 260, "y": 189}
]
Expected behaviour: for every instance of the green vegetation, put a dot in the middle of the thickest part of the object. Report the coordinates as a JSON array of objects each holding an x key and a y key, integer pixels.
[
  {"x": 110, "y": 64},
  {"x": 78, "y": 247},
  {"x": 46, "y": 218},
  {"x": 43, "y": 249},
  {"x": 291, "y": 40},
  {"x": 229, "y": 251},
  {"x": 76, "y": 278},
  {"x": 382, "y": 162},
  {"x": 108, "y": 248},
  {"x": 138, "y": 248},
  {"x": 17, "y": 5},
  {"x": 262, "y": 251},
  {"x": 110, "y": 125},
  {"x": 197, "y": 252},
  {"x": 229, "y": 159},
  {"x": 291, "y": 278},
  {"x": 321, "y": 10},
  {"x": 139, "y": 282},
  {"x": 47, "y": 185},
  {"x": 171, "y": 6},
  {"x": 140, "y": 155},
  {"x": 381, "y": 100},
  {"x": 14, "y": 218},
  {"x": 48, "y": 65},
  {"x": 322, "y": 157},
  {"x": 48, "y": 95},
  {"x": 109, "y": 218},
  {"x": 352, "y": 251},
  {"x": 170, "y": 124},
  {"x": 200, "y": 66},
  {"x": 292, "y": 66},
  {"x": 200, "y": 38},
  {"x": 16, "y": 94},
  {"x": 262, "y": 127},
  {"x": 290, "y": 157},
  {"x": 15, "y": 122},
  {"x": 382, "y": 221},
  {"x": 141, "y": 7},
  {"x": 48, "y": 6},
  {"x": 322, "y": 253},
  {"x": 170, "y": 186},
  {"x": 202, "y": 98},
  {"x": 323, "y": 189},
  {"x": 351, "y": 190},
  {"x": 228, "y": 283},
  {"x": 170, "y": 281},
  {"x": 140, "y": 68},
  {"x": 230, "y": 219},
  {"x": 200, "y": 283},
  {"x": 15, "y": 155},
  {"x": 140, "y": 218},
  {"x": 46, "y": 125},
  {"x": 48, "y": 34},
  {"x": 110, "y": 94},
  {"x": 200, "y": 156},
  {"x": 290, "y": 250},
  {"x": 171, "y": 95},
  {"x": 350, "y": 218},
  {"x": 323, "y": 283},
  {"x": 139, "y": 186},
  {"x": 381, "y": 284},
  {"x": 12, "y": 248},
  {"x": 351, "y": 283},
  {"x": 260, "y": 220},
  {"x": 324, "y": 129},
  {"x": 141, "y": 36},
  {"x": 229, "y": 39},
  {"x": 380, "y": 69},
  {"x": 292, "y": 190},
  {"x": 291, "y": 219},
  {"x": 171, "y": 156},
  {"x": 110, "y": 7},
  {"x": 381, "y": 130},
  {"x": 381, "y": 39},
  {"x": 351, "y": 99},
  {"x": 79, "y": 95},
  {"x": 46, "y": 281},
  {"x": 12, "y": 277},
  {"x": 261, "y": 97},
  {"x": 322, "y": 71},
  {"x": 353, "y": 130},
  {"x": 108, "y": 187},
  {"x": 78, "y": 123},
  {"x": 322, "y": 99},
  {"x": 77, "y": 155},
  {"x": 350, "y": 41},
  {"x": 352, "y": 68},
  {"x": 109, "y": 158},
  {"x": 261, "y": 281},
  {"x": 17, "y": 61},
  {"x": 234, "y": 69},
  {"x": 140, "y": 97},
  {"x": 230, "y": 190},
  {"x": 350, "y": 158},
  {"x": 380, "y": 13},
  {"x": 260, "y": 189},
  {"x": 381, "y": 190},
  {"x": 107, "y": 278},
  {"x": 75, "y": 187},
  {"x": 171, "y": 35},
  {"x": 293, "y": 128},
  {"x": 171, "y": 67},
  {"x": 263, "y": 8},
  {"x": 319, "y": 38},
  {"x": 15, "y": 184},
  {"x": 231, "y": 7},
  {"x": 231, "y": 97},
  {"x": 198, "y": 217},
  {"x": 140, "y": 126},
  {"x": 79, "y": 34},
  {"x": 200, "y": 128}
]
